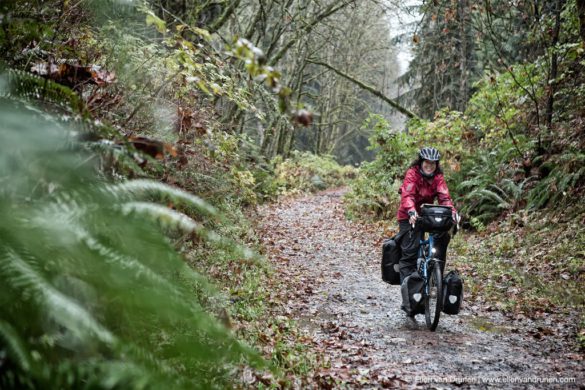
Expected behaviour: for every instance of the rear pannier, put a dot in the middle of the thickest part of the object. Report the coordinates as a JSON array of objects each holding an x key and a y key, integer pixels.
[
  {"x": 436, "y": 218},
  {"x": 452, "y": 293},
  {"x": 412, "y": 294},
  {"x": 390, "y": 257}
]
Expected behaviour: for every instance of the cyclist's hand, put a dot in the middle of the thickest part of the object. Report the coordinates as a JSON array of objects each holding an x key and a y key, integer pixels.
[
  {"x": 456, "y": 219},
  {"x": 412, "y": 217}
]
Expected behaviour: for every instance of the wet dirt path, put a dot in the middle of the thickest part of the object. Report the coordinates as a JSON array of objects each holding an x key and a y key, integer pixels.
[{"x": 330, "y": 271}]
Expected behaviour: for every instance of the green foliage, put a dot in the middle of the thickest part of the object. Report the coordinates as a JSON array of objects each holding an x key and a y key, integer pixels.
[
  {"x": 375, "y": 191},
  {"x": 450, "y": 132},
  {"x": 567, "y": 173},
  {"x": 394, "y": 150},
  {"x": 493, "y": 154},
  {"x": 17, "y": 84},
  {"x": 94, "y": 294},
  {"x": 302, "y": 172},
  {"x": 483, "y": 187},
  {"x": 500, "y": 108},
  {"x": 508, "y": 171},
  {"x": 255, "y": 64}
]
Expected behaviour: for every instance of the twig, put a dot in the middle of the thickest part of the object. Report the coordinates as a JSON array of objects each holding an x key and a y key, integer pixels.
[{"x": 142, "y": 103}]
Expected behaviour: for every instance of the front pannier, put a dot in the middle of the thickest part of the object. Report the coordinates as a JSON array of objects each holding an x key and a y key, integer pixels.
[
  {"x": 436, "y": 218},
  {"x": 390, "y": 257},
  {"x": 452, "y": 293},
  {"x": 412, "y": 294}
]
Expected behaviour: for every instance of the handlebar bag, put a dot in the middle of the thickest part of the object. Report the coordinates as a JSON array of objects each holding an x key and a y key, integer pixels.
[
  {"x": 436, "y": 218},
  {"x": 452, "y": 293},
  {"x": 412, "y": 294},
  {"x": 390, "y": 256}
]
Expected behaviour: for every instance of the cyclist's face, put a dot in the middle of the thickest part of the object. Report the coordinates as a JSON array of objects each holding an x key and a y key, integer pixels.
[{"x": 429, "y": 166}]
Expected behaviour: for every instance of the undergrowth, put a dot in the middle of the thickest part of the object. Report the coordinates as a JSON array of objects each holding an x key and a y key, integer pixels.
[
  {"x": 302, "y": 172},
  {"x": 529, "y": 263}
]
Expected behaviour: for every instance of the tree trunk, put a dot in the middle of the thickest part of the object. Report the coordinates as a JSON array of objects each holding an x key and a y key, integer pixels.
[
  {"x": 581, "y": 12},
  {"x": 266, "y": 148},
  {"x": 553, "y": 72},
  {"x": 463, "y": 63},
  {"x": 229, "y": 11}
]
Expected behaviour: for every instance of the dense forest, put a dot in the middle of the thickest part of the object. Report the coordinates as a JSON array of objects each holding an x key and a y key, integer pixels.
[{"x": 139, "y": 138}]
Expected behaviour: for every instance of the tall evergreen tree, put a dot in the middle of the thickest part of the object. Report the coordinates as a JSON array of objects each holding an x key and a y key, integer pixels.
[{"x": 445, "y": 61}]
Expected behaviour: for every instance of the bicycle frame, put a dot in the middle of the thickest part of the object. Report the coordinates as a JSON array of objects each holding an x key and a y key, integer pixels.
[{"x": 423, "y": 266}]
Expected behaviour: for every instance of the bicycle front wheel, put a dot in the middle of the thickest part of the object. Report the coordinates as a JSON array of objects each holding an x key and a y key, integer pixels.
[{"x": 434, "y": 298}]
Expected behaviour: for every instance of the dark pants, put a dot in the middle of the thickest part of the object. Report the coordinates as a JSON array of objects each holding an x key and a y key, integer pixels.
[{"x": 409, "y": 240}]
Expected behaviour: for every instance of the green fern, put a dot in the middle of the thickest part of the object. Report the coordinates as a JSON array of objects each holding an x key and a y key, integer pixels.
[
  {"x": 15, "y": 346},
  {"x": 20, "y": 88},
  {"x": 18, "y": 84},
  {"x": 94, "y": 295},
  {"x": 568, "y": 173},
  {"x": 148, "y": 187}
]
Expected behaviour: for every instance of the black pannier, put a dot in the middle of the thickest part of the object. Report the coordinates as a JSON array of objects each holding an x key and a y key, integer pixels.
[
  {"x": 390, "y": 257},
  {"x": 412, "y": 294},
  {"x": 436, "y": 218},
  {"x": 452, "y": 293}
]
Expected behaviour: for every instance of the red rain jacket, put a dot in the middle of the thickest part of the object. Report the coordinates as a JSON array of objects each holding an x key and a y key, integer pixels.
[{"x": 416, "y": 190}]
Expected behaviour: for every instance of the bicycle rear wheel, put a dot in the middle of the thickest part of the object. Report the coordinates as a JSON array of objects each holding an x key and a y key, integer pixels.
[{"x": 434, "y": 299}]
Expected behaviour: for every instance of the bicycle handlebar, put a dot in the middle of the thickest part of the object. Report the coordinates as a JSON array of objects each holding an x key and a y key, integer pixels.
[{"x": 455, "y": 225}]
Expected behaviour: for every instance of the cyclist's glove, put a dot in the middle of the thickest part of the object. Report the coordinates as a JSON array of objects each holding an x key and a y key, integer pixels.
[
  {"x": 412, "y": 214},
  {"x": 456, "y": 219}
]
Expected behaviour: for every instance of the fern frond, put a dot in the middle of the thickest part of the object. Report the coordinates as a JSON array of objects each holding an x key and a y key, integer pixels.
[
  {"x": 16, "y": 347},
  {"x": 470, "y": 183},
  {"x": 115, "y": 374},
  {"x": 175, "y": 220},
  {"x": 141, "y": 271},
  {"x": 120, "y": 154},
  {"x": 25, "y": 85},
  {"x": 499, "y": 191},
  {"x": 58, "y": 306},
  {"x": 498, "y": 195},
  {"x": 169, "y": 218},
  {"x": 149, "y": 187},
  {"x": 63, "y": 220}
]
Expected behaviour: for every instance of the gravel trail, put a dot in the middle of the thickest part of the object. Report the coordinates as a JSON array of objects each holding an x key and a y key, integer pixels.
[{"x": 330, "y": 268}]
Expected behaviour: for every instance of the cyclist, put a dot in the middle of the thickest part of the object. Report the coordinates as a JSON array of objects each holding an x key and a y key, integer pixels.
[{"x": 423, "y": 183}]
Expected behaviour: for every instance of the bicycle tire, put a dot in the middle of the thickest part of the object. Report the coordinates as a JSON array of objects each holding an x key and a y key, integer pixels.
[{"x": 434, "y": 300}]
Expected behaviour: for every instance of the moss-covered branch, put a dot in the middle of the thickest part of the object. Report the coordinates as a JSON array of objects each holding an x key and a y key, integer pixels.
[{"x": 368, "y": 88}]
